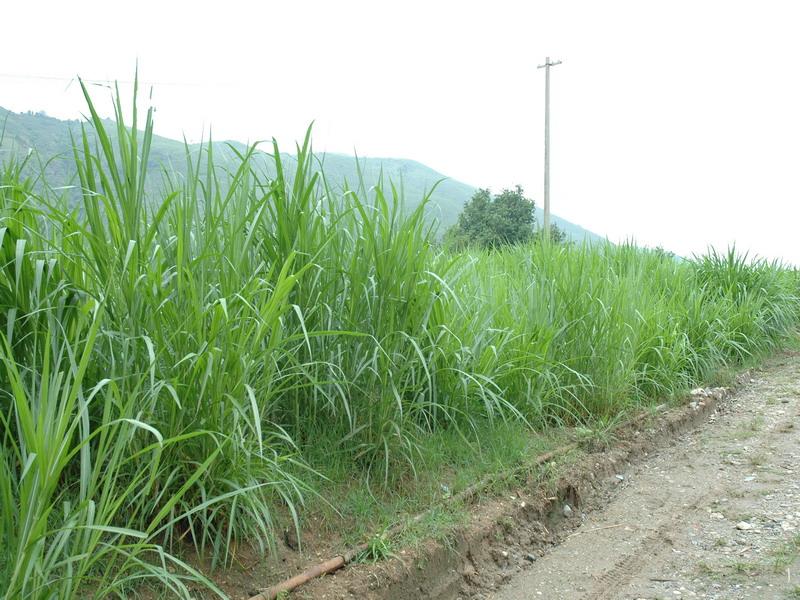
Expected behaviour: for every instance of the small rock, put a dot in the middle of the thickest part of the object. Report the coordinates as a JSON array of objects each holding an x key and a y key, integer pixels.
[
  {"x": 716, "y": 515},
  {"x": 290, "y": 538},
  {"x": 744, "y": 526},
  {"x": 500, "y": 557},
  {"x": 567, "y": 510},
  {"x": 620, "y": 477},
  {"x": 530, "y": 557}
]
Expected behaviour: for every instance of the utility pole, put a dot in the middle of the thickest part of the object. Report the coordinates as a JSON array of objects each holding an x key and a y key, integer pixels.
[{"x": 546, "y": 66}]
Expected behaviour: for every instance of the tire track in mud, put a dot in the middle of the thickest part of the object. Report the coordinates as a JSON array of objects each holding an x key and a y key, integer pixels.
[{"x": 656, "y": 541}]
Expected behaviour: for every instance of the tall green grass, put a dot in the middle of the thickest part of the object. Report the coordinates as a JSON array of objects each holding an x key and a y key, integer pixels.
[{"x": 170, "y": 363}]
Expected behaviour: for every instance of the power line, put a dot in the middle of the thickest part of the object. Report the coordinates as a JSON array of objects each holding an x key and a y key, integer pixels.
[{"x": 109, "y": 82}]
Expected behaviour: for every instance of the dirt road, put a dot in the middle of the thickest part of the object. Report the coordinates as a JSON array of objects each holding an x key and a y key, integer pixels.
[{"x": 716, "y": 515}]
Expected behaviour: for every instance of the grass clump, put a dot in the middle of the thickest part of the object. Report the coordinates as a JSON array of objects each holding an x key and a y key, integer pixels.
[{"x": 175, "y": 370}]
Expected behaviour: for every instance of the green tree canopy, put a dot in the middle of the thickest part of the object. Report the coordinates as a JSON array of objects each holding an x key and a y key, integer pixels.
[
  {"x": 491, "y": 221},
  {"x": 557, "y": 235}
]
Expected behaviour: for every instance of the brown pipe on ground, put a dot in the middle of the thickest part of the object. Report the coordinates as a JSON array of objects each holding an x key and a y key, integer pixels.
[{"x": 329, "y": 566}]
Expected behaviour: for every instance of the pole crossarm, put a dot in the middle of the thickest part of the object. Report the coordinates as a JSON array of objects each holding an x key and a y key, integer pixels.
[{"x": 549, "y": 64}]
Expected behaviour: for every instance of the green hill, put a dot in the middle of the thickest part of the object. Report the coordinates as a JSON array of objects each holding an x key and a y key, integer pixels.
[{"x": 51, "y": 139}]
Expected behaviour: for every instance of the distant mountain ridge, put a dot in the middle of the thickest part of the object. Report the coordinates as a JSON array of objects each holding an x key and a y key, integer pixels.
[{"x": 52, "y": 140}]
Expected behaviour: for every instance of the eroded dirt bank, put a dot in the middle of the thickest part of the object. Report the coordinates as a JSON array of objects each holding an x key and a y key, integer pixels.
[{"x": 714, "y": 515}]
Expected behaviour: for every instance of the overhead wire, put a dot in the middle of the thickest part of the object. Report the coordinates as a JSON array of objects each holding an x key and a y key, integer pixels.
[{"x": 108, "y": 82}]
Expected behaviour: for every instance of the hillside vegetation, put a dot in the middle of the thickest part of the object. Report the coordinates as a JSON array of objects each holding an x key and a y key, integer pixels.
[
  {"x": 176, "y": 369},
  {"x": 51, "y": 139}
]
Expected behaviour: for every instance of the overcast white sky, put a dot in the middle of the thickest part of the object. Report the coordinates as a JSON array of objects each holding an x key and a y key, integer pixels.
[{"x": 674, "y": 122}]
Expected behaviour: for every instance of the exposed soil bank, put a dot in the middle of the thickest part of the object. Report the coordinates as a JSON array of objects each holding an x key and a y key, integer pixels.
[{"x": 630, "y": 508}]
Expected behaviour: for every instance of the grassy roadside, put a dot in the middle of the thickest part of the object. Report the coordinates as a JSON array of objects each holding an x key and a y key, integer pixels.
[
  {"x": 357, "y": 507},
  {"x": 449, "y": 520},
  {"x": 206, "y": 367},
  {"x": 360, "y": 508}
]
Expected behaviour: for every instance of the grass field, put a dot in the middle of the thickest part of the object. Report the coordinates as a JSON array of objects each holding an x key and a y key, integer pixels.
[{"x": 183, "y": 368}]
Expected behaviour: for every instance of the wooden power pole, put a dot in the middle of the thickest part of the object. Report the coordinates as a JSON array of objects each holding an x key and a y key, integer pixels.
[{"x": 546, "y": 66}]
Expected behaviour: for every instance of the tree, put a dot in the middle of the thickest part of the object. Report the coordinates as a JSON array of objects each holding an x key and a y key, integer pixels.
[
  {"x": 491, "y": 222},
  {"x": 557, "y": 235}
]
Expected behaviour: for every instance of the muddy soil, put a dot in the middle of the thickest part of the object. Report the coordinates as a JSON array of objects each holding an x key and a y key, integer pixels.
[{"x": 716, "y": 515}]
